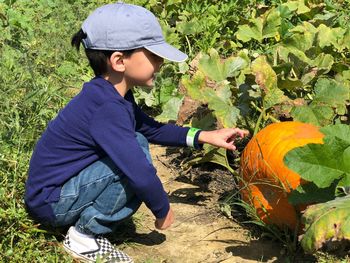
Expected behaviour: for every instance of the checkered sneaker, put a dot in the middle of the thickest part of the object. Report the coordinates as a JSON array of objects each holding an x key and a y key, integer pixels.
[{"x": 105, "y": 252}]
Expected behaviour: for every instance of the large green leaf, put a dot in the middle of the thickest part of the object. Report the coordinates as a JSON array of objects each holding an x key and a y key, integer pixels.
[
  {"x": 253, "y": 31},
  {"x": 323, "y": 62},
  {"x": 266, "y": 78},
  {"x": 329, "y": 95},
  {"x": 265, "y": 26},
  {"x": 310, "y": 194},
  {"x": 219, "y": 101},
  {"x": 195, "y": 85},
  {"x": 218, "y": 69},
  {"x": 319, "y": 115},
  {"x": 206, "y": 122},
  {"x": 211, "y": 154},
  {"x": 339, "y": 131},
  {"x": 322, "y": 164},
  {"x": 147, "y": 95},
  {"x": 167, "y": 89},
  {"x": 170, "y": 110},
  {"x": 302, "y": 8},
  {"x": 272, "y": 22},
  {"x": 298, "y": 6},
  {"x": 326, "y": 222},
  {"x": 330, "y": 36},
  {"x": 191, "y": 27},
  {"x": 302, "y": 37},
  {"x": 218, "y": 98},
  {"x": 345, "y": 42}
]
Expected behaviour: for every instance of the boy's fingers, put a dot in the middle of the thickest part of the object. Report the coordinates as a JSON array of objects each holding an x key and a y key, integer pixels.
[
  {"x": 240, "y": 132},
  {"x": 231, "y": 147},
  {"x": 229, "y": 144},
  {"x": 236, "y": 132}
]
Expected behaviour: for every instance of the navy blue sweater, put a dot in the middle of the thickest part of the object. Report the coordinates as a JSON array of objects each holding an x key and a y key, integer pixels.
[{"x": 95, "y": 123}]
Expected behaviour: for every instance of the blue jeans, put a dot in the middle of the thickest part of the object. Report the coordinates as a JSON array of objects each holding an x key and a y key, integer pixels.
[{"x": 98, "y": 198}]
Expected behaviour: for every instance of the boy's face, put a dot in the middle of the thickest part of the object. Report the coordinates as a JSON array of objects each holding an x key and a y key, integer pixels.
[{"x": 140, "y": 68}]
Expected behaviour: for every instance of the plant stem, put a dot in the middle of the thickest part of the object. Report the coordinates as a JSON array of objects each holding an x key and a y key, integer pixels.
[
  {"x": 257, "y": 125},
  {"x": 273, "y": 119},
  {"x": 189, "y": 45}
]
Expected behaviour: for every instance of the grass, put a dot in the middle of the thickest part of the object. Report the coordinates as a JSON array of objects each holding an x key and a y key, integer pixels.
[{"x": 326, "y": 258}]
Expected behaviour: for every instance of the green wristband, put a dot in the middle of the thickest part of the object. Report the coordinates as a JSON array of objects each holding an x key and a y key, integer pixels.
[{"x": 190, "y": 136}]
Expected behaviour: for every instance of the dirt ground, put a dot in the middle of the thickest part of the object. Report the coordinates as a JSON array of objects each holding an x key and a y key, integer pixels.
[{"x": 201, "y": 233}]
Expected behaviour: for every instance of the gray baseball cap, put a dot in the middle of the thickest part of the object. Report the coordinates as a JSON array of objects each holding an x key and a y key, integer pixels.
[{"x": 122, "y": 26}]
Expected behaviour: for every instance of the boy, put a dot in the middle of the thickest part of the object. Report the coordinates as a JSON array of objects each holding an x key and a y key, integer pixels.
[{"x": 91, "y": 168}]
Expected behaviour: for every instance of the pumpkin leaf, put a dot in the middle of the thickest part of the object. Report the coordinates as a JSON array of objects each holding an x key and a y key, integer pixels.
[
  {"x": 216, "y": 155},
  {"x": 330, "y": 36},
  {"x": 323, "y": 62},
  {"x": 266, "y": 78},
  {"x": 329, "y": 94},
  {"x": 195, "y": 85},
  {"x": 170, "y": 110},
  {"x": 317, "y": 163},
  {"x": 302, "y": 38},
  {"x": 302, "y": 8},
  {"x": 262, "y": 27},
  {"x": 222, "y": 107},
  {"x": 218, "y": 98},
  {"x": 211, "y": 154},
  {"x": 236, "y": 64},
  {"x": 206, "y": 122},
  {"x": 192, "y": 27},
  {"x": 339, "y": 131},
  {"x": 326, "y": 222},
  {"x": 247, "y": 32},
  {"x": 216, "y": 68},
  {"x": 311, "y": 193},
  {"x": 319, "y": 115}
]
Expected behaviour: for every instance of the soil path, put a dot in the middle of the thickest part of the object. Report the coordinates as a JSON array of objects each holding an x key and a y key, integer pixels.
[{"x": 200, "y": 234}]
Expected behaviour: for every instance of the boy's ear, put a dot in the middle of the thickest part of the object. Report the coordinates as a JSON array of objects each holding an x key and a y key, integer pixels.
[{"x": 116, "y": 61}]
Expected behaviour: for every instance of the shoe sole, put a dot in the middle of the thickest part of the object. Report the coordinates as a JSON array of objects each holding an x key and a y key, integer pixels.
[
  {"x": 76, "y": 256},
  {"x": 85, "y": 259}
]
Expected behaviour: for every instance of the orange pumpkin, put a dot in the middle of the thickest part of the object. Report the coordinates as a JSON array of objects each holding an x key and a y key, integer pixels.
[{"x": 266, "y": 180}]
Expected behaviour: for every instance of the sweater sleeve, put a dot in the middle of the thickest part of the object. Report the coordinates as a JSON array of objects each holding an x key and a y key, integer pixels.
[
  {"x": 112, "y": 128},
  {"x": 160, "y": 133},
  {"x": 163, "y": 134}
]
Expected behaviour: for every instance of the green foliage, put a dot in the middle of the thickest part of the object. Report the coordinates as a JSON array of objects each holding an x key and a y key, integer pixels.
[
  {"x": 256, "y": 56},
  {"x": 170, "y": 110},
  {"x": 326, "y": 223},
  {"x": 303, "y": 74},
  {"x": 260, "y": 28},
  {"x": 330, "y": 99},
  {"x": 327, "y": 170},
  {"x": 38, "y": 74},
  {"x": 211, "y": 154},
  {"x": 316, "y": 163},
  {"x": 266, "y": 78},
  {"x": 328, "y": 176},
  {"x": 210, "y": 85}
]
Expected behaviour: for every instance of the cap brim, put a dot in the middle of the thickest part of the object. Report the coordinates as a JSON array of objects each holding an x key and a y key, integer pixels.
[{"x": 167, "y": 52}]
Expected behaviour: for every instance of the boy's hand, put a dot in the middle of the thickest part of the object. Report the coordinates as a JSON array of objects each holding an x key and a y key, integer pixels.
[
  {"x": 224, "y": 138},
  {"x": 164, "y": 223}
]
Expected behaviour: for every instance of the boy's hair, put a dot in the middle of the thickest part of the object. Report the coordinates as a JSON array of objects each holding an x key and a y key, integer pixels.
[{"x": 97, "y": 58}]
